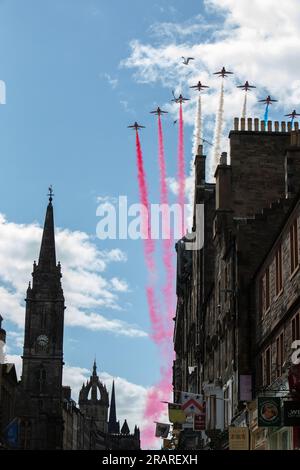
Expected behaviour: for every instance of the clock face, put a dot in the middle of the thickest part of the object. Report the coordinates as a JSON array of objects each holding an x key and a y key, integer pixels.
[{"x": 42, "y": 341}]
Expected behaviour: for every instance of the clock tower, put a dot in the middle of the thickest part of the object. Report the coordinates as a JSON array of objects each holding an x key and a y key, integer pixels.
[{"x": 41, "y": 381}]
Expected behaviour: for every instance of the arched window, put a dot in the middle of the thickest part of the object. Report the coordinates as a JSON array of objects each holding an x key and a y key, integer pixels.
[{"x": 41, "y": 377}]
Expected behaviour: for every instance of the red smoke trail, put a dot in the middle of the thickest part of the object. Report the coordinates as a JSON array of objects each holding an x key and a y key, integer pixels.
[
  {"x": 162, "y": 165},
  {"x": 156, "y": 407},
  {"x": 181, "y": 172},
  {"x": 168, "y": 251},
  {"x": 156, "y": 320},
  {"x": 161, "y": 392}
]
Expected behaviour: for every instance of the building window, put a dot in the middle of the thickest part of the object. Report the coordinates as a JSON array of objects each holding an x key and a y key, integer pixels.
[
  {"x": 226, "y": 346},
  {"x": 267, "y": 366},
  {"x": 267, "y": 275},
  {"x": 262, "y": 296},
  {"x": 41, "y": 377},
  {"x": 212, "y": 411},
  {"x": 294, "y": 246},
  {"x": 278, "y": 270},
  {"x": 295, "y": 327},
  {"x": 226, "y": 397},
  {"x": 226, "y": 283},
  {"x": 219, "y": 294},
  {"x": 279, "y": 354},
  {"x": 264, "y": 292},
  {"x": 227, "y": 406}
]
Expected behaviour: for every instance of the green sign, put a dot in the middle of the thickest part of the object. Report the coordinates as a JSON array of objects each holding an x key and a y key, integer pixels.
[{"x": 269, "y": 411}]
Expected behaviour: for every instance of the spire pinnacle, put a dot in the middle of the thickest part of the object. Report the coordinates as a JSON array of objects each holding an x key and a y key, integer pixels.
[
  {"x": 50, "y": 194},
  {"x": 113, "y": 425},
  {"x": 95, "y": 368},
  {"x": 47, "y": 258}
]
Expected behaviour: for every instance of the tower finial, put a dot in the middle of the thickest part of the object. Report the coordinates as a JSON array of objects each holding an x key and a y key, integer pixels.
[
  {"x": 95, "y": 367},
  {"x": 50, "y": 194}
]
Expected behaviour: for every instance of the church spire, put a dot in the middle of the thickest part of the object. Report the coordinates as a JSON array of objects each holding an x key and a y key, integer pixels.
[
  {"x": 95, "y": 368},
  {"x": 113, "y": 424},
  {"x": 47, "y": 258}
]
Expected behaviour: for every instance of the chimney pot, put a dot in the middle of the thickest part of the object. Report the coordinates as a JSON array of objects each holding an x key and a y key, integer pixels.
[{"x": 223, "y": 159}]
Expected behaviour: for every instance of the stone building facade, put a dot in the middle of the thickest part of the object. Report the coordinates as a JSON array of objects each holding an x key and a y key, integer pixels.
[
  {"x": 8, "y": 386},
  {"x": 216, "y": 331}
]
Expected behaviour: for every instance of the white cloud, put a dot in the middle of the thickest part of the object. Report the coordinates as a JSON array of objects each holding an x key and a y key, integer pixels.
[
  {"x": 175, "y": 31},
  {"x": 119, "y": 285},
  {"x": 87, "y": 287},
  {"x": 126, "y": 106},
  {"x": 259, "y": 41},
  {"x": 113, "y": 82},
  {"x": 95, "y": 321}
]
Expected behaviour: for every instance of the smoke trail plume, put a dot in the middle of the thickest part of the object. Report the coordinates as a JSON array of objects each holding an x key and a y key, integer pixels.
[
  {"x": 181, "y": 169},
  {"x": 190, "y": 180},
  {"x": 244, "y": 111},
  {"x": 168, "y": 250},
  {"x": 218, "y": 128},
  {"x": 266, "y": 115},
  {"x": 155, "y": 408},
  {"x": 157, "y": 325},
  {"x": 197, "y": 127}
]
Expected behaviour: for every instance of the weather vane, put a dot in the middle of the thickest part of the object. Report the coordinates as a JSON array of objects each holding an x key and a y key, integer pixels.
[{"x": 50, "y": 194}]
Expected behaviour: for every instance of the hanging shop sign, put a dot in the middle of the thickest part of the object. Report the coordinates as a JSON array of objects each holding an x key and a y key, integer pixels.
[
  {"x": 269, "y": 411},
  {"x": 238, "y": 438},
  {"x": 291, "y": 413}
]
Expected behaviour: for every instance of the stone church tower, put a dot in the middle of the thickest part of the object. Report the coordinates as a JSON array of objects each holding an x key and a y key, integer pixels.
[
  {"x": 41, "y": 381},
  {"x": 94, "y": 402}
]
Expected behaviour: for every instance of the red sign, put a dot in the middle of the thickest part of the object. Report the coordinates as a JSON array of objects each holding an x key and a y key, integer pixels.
[{"x": 200, "y": 420}]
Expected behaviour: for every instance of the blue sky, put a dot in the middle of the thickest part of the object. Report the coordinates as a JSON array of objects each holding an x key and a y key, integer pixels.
[
  {"x": 77, "y": 72},
  {"x": 64, "y": 123}
]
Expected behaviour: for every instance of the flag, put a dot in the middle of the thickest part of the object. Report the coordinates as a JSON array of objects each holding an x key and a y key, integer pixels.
[
  {"x": 162, "y": 430},
  {"x": 11, "y": 433},
  {"x": 176, "y": 415},
  {"x": 192, "y": 403}
]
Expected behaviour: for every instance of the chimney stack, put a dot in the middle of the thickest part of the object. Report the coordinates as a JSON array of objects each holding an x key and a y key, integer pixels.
[
  {"x": 292, "y": 166},
  {"x": 200, "y": 167},
  {"x": 223, "y": 184}
]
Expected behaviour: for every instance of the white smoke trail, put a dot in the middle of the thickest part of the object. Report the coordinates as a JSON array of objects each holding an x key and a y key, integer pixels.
[
  {"x": 198, "y": 127},
  {"x": 244, "y": 111},
  {"x": 218, "y": 129},
  {"x": 190, "y": 180}
]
